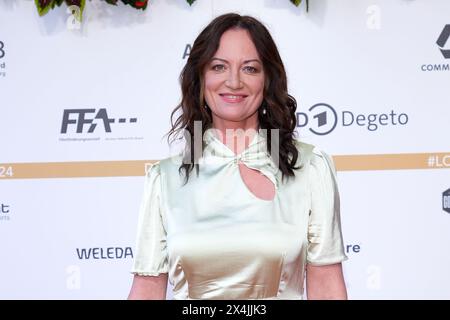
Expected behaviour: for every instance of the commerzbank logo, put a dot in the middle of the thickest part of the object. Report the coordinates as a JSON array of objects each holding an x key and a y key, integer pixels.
[
  {"x": 322, "y": 119},
  {"x": 443, "y": 44},
  {"x": 443, "y": 40}
]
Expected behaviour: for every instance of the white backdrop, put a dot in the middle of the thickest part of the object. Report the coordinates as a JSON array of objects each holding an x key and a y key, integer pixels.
[{"x": 69, "y": 201}]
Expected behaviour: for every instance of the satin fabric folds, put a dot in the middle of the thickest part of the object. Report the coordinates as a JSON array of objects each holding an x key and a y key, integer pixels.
[{"x": 217, "y": 240}]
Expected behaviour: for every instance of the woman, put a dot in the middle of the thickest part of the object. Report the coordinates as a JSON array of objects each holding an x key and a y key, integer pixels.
[{"x": 261, "y": 212}]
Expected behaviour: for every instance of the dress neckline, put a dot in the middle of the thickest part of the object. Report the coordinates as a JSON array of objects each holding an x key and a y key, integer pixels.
[
  {"x": 258, "y": 139},
  {"x": 255, "y": 156}
]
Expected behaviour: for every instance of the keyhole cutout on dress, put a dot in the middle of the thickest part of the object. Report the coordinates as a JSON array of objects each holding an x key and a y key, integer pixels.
[{"x": 257, "y": 183}]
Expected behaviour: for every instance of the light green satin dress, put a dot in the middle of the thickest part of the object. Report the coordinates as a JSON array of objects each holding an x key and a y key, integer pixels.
[{"x": 217, "y": 240}]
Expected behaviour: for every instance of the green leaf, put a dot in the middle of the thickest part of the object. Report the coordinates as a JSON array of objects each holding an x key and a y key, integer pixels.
[
  {"x": 192, "y": 1},
  {"x": 113, "y": 2},
  {"x": 43, "y": 6},
  {"x": 83, "y": 4},
  {"x": 296, "y": 2},
  {"x": 59, "y": 2}
]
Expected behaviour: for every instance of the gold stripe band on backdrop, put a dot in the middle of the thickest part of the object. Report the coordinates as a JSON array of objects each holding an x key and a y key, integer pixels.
[{"x": 129, "y": 168}]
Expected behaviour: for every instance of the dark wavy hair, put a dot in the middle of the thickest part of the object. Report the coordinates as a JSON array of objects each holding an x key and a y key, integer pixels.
[{"x": 280, "y": 106}]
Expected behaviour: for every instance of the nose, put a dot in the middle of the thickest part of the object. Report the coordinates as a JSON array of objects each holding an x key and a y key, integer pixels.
[{"x": 234, "y": 80}]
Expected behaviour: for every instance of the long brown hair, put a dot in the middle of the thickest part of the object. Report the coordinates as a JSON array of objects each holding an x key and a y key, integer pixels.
[{"x": 280, "y": 106}]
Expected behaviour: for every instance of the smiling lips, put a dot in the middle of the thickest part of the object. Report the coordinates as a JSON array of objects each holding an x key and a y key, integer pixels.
[{"x": 233, "y": 98}]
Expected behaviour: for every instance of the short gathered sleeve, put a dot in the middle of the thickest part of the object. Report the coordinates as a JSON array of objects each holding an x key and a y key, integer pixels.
[
  {"x": 150, "y": 257},
  {"x": 325, "y": 241}
]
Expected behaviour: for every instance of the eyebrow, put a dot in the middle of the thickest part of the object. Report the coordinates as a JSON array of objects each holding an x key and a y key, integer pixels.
[{"x": 246, "y": 61}]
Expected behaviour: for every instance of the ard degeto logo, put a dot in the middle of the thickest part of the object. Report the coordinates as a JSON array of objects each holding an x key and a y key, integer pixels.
[
  {"x": 446, "y": 201},
  {"x": 443, "y": 40},
  {"x": 322, "y": 119},
  {"x": 89, "y": 120}
]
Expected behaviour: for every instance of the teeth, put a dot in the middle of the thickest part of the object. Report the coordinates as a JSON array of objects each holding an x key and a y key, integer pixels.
[{"x": 232, "y": 97}]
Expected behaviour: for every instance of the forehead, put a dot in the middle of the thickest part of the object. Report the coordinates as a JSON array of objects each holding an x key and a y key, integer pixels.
[{"x": 236, "y": 44}]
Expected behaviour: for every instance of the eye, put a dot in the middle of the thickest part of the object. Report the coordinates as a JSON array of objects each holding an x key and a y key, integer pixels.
[
  {"x": 218, "y": 67},
  {"x": 250, "y": 69}
]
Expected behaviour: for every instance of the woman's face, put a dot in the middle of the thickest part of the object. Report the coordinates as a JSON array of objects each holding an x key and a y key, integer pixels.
[{"x": 234, "y": 79}]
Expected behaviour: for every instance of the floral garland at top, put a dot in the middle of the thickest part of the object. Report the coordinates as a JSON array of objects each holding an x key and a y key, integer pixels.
[{"x": 43, "y": 6}]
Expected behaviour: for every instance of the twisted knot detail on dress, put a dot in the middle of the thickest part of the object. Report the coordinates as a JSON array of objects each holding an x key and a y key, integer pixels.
[{"x": 255, "y": 156}]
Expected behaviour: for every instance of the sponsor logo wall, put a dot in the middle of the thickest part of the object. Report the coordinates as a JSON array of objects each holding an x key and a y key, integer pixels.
[{"x": 78, "y": 130}]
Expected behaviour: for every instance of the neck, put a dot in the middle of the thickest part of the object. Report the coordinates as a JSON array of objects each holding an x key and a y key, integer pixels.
[{"x": 237, "y": 135}]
